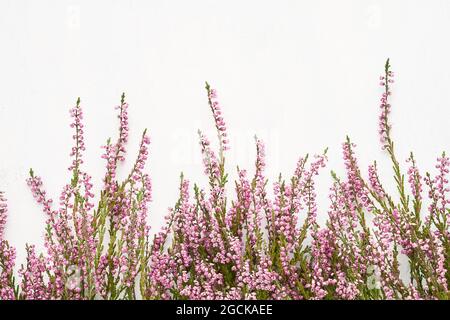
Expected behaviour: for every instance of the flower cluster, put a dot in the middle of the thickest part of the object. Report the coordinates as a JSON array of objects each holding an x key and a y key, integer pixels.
[
  {"x": 3, "y": 214},
  {"x": 218, "y": 119},
  {"x": 263, "y": 241},
  {"x": 384, "y": 126}
]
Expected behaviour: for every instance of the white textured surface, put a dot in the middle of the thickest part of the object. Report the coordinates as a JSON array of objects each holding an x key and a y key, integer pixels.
[{"x": 300, "y": 74}]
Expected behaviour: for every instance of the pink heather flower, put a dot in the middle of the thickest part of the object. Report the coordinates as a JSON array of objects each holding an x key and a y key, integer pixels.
[
  {"x": 344, "y": 223},
  {"x": 260, "y": 166},
  {"x": 262, "y": 279},
  {"x": 75, "y": 234},
  {"x": 218, "y": 119},
  {"x": 247, "y": 213},
  {"x": 34, "y": 286},
  {"x": 35, "y": 184},
  {"x": 384, "y": 126},
  {"x": 123, "y": 128},
  {"x": 438, "y": 210},
  {"x": 101, "y": 276},
  {"x": 210, "y": 162},
  {"x": 441, "y": 181},
  {"x": 414, "y": 178},
  {"x": 146, "y": 191},
  {"x": 345, "y": 289},
  {"x": 139, "y": 165},
  {"x": 77, "y": 114},
  {"x": 321, "y": 260},
  {"x": 374, "y": 181},
  {"x": 441, "y": 263},
  {"x": 381, "y": 252},
  {"x": 3, "y": 214},
  {"x": 115, "y": 152},
  {"x": 308, "y": 193},
  {"x": 414, "y": 293},
  {"x": 282, "y": 219},
  {"x": 7, "y": 263},
  {"x": 357, "y": 191}
]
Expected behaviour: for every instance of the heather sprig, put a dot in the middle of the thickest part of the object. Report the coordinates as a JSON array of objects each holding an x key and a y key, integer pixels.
[{"x": 3, "y": 214}]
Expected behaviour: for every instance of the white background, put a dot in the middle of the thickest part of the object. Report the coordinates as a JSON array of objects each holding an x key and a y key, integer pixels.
[{"x": 300, "y": 74}]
